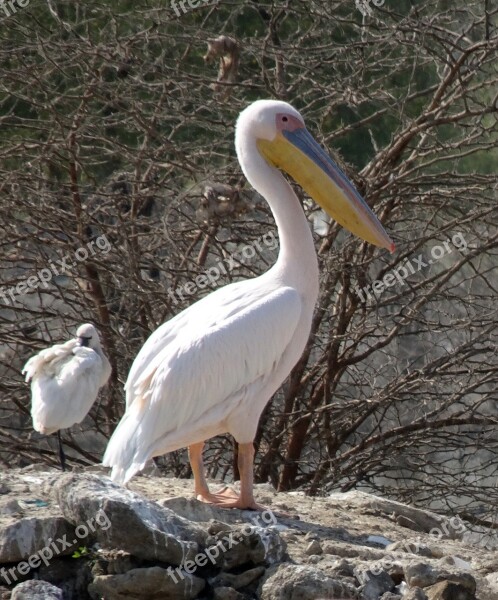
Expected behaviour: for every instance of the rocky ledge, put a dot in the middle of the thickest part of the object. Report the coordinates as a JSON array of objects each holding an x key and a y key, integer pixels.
[{"x": 77, "y": 536}]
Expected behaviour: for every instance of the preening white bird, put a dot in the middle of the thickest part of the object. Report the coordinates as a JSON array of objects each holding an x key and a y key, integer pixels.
[
  {"x": 65, "y": 380},
  {"x": 212, "y": 368}
]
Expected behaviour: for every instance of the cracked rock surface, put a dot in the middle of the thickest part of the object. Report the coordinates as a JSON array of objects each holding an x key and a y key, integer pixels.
[{"x": 78, "y": 536}]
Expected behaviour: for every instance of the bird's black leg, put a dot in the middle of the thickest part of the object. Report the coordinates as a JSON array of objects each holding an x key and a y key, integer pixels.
[{"x": 62, "y": 456}]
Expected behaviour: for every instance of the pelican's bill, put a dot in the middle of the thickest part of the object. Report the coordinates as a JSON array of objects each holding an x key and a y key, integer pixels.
[{"x": 299, "y": 155}]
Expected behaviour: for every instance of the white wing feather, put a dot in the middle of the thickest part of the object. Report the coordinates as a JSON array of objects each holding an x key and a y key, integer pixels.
[
  {"x": 48, "y": 361},
  {"x": 65, "y": 380},
  {"x": 205, "y": 313},
  {"x": 193, "y": 373}
]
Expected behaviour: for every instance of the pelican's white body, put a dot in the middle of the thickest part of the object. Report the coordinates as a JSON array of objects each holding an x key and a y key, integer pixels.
[
  {"x": 65, "y": 380},
  {"x": 213, "y": 368}
]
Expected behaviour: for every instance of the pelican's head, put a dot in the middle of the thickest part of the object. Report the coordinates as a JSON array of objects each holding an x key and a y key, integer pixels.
[
  {"x": 283, "y": 140},
  {"x": 87, "y": 336}
]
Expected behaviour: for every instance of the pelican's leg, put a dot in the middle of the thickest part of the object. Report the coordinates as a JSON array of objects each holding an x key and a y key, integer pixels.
[
  {"x": 246, "y": 469},
  {"x": 62, "y": 456},
  {"x": 201, "y": 488},
  {"x": 227, "y": 498}
]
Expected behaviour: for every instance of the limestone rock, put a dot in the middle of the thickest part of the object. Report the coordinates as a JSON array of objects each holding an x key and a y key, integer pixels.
[
  {"x": 411, "y": 547},
  {"x": 373, "y": 584},
  {"x": 148, "y": 551},
  {"x": 25, "y": 537},
  {"x": 10, "y": 507},
  {"x": 227, "y": 593},
  {"x": 201, "y": 512},
  {"x": 424, "y": 575},
  {"x": 118, "y": 518},
  {"x": 217, "y": 527},
  {"x": 492, "y": 580},
  {"x": 415, "y": 593},
  {"x": 314, "y": 547},
  {"x": 247, "y": 544},
  {"x": 4, "y": 593},
  {"x": 419, "y": 574},
  {"x": 348, "y": 550},
  {"x": 36, "y": 589},
  {"x": 447, "y": 590},
  {"x": 114, "y": 562},
  {"x": 407, "y": 516},
  {"x": 296, "y": 582},
  {"x": 237, "y": 581},
  {"x": 341, "y": 568},
  {"x": 153, "y": 583}
]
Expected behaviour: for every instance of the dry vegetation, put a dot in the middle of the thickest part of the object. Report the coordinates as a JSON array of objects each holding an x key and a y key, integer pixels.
[{"x": 113, "y": 125}]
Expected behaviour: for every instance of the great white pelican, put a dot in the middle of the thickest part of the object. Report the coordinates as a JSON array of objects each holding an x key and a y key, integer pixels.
[{"x": 212, "y": 368}]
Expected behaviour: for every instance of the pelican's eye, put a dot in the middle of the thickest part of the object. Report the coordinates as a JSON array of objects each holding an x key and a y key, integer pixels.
[{"x": 286, "y": 122}]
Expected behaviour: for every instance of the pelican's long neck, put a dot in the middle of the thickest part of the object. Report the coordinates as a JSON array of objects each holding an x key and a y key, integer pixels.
[{"x": 297, "y": 262}]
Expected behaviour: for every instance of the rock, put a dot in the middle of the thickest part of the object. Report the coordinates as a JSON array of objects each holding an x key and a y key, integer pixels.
[
  {"x": 237, "y": 581},
  {"x": 246, "y": 544},
  {"x": 201, "y": 512},
  {"x": 348, "y": 550},
  {"x": 154, "y": 583},
  {"x": 411, "y": 547},
  {"x": 35, "y": 589},
  {"x": 415, "y": 594},
  {"x": 26, "y": 537},
  {"x": 447, "y": 590},
  {"x": 313, "y": 547},
  {"x": 4, "y": 488},
  {"x": 408, "y": 523},
  {"x": 423, "y": 575},
  {"x": 10, "y": 507},
  {"x": 420, "y": 574},
  {"x": 118, "y": 518},
  {"x": 71, "y": 575},
  {"x": 296, "y": 582},
  {"x": 492, "y": 580},
  {"x": 137, "y": 534},
  {"x": 373, "y": 584},
  {"x": 217, "y": 527},
  {"x": 227, "y": 593},
  {"x": 341, "y": 568},
  {"x": 407, "y": 516},
  {"x": 5, "y": 594},
  {"x": 116, "y": 562},
  {"x": 456, "y": 561}
]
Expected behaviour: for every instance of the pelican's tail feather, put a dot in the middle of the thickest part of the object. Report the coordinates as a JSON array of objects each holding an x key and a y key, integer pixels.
[{"x": 124, "y": 452}]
